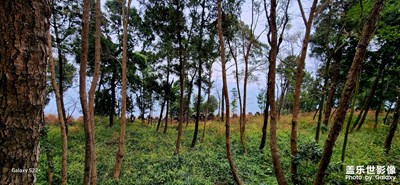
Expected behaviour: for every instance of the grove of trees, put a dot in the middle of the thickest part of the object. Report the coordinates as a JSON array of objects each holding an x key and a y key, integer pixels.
[{"x": 176, "y": 64}]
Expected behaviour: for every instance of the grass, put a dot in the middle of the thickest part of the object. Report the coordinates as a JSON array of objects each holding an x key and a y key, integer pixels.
[{"x": 149, "y": 155}]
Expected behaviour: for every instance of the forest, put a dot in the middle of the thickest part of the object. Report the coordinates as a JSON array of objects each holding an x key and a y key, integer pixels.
[{"x": 199, "y": 92}]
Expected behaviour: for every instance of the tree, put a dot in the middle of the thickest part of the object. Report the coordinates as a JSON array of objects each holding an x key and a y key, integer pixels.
[
  {"x": 297, "y": 89},
  {"x": 272, "y": 56},
  {"x": 61, "y": 117},
  {"x": 23, "y": 57},
  {"x": 87, "y": 101},
  {"x": 120, "y": 152},
  {"x": 273, "y": 52},
  {"x": 368, "y": 29},
  {"x": 225, "y": 94},
  {"x": 64, "y": 22},
  {"x": 393, "y": 126}
]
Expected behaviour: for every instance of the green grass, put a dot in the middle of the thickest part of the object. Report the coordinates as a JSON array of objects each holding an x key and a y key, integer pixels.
[{"x": 149, "y": 155}]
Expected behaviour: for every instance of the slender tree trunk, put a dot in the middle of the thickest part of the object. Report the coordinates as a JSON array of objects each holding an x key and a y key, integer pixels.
[
  {"x": 387, "y": 113},
  {"x": 88, "y": 168},
  {"x": 113, "y": 99},
  {"x": 161, "y": 113},
  {"x": 371, "y": 95},
  {"x": 23, "y": 57},
  {"x": 378, "y": 109},
  {"x": 265, "y": 124},
  {"x": 120, "y": 152},
  {"x": 331, "y": 94},
  {"x": 225, "y": 94},
  {"x": 61, "y": 119},
  {"x": 353, "y": 103},
  {"x": 208, "y": 102},
  {"x": 297, "y": 89},
  {"x": 60, "y": 68},
  {"x": 200, "y": 55},
  {"x": 223, "y": 106},
  {"x": 393, "y": 126},
  {"x": 239, "y": 95},
  {"x": 168, "y": 94},
  {"x": 273, "y": 52},
  {"x": 182, "y": 81},
  {"x": 186, "y": 110},
  {"x": 166, "y": 118},
  {"x": 367, "y": 33},
  {"x": 282, "y": 98}
]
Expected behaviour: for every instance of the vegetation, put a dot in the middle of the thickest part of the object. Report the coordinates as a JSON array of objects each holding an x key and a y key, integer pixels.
[
  {"x": 191, "y": 65},
  {"x": 148, "y": 157}
]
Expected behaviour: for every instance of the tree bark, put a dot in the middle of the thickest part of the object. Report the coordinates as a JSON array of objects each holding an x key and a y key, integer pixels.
[
  {"x": 61, "y": 118},
  {"x": 200, "y": 55},
  {"x": 297, "y": 89},
  {"x": 182, "y": 82},
  {"x": 273, "y": 52},
  {"x": 120, "y": 152},
  {"x": 60, "y": 68},
  {"x": 225, "y": 94},
  {"x": 367, "y": 33},
  {"x": 24, "y": 27},
  {"x": 393, "y": 126},
  {"x": 239, "y": 95},
  {"x": 346, "y": 134}
]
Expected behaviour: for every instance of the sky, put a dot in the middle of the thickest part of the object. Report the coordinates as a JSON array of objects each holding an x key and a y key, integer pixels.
[{"x": 71, "y": 97}]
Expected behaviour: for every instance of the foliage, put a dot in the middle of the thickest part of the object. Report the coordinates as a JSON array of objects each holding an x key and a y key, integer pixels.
[{"x": 149, "y": 155}]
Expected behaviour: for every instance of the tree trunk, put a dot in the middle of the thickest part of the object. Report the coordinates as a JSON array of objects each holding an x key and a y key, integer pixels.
[
  {"x": 61, "y": 118},
  {"x": 23, "y": 56},
  {"x": 297, "y": 89},
  {"x": 120, "y": 152},
  {"x": 367, "y": 32},
  {"x": 273, "y": 52},
  {"x": 161, "y": 113},
  {"x": 387, "y": 113},
  {"x": 353, "y": 103},
  {"x": 200, "y": 55},
  {"x": 370, "y": 96},
  {"x": 282, "y": 98},
  {"x": 393, "y": 126},
  {"x": 60, "y": 68},
  {"x": 225, "y": 94},
  {"x": 239, "y": 95},
  {"x": 208, "y": 102},
  {"x": 378, "y": 109},
  {"x": 168, "y": 94},
  {"x": 186, "y": 110},
  {"x": 265, "y": 124},
  {"x": 331, "y": 94},
  {"x": 113, "y": 99},
  {"x": 182, "y": 81}
]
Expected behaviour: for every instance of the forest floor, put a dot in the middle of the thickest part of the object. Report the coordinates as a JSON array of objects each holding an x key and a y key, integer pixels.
[{"x": 149, "y": 158}]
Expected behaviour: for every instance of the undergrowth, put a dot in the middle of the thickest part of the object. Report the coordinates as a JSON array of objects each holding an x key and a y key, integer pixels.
[{"x": 149, "y": 158}]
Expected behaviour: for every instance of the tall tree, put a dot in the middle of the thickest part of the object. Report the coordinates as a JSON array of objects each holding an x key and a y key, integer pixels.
[
  {"x": 87, "y": 100},
  {"x": 225, "y": 94},
  {"x": 274, "y": 43},
  {"x": 297, "y": 90},
  {"x": 23, "y": 58},
  {"x": 393, "y": 126},
  {"x": 273, "y": 52},
  {"x": 368, "y": 29},
  {"x": 61, "y": 118},
  {"x": 120, "y": 152}
]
